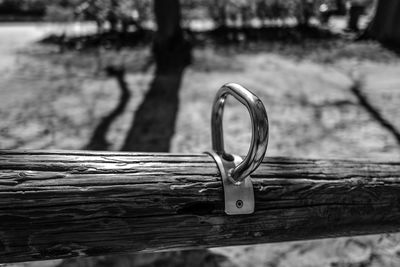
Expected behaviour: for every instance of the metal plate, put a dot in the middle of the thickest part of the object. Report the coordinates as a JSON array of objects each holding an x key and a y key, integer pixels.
[{"x": 239, "y": 199}]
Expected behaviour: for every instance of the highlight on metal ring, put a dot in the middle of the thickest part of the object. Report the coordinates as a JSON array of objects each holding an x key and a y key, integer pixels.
[{"x": 259, "y": 122}]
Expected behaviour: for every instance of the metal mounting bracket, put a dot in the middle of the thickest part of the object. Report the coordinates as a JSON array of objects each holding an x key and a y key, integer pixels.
[{"x": 239, "y": 198}]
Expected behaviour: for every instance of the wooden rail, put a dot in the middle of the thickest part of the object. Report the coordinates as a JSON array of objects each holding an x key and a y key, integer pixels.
[{"x": 63, "y": 204}]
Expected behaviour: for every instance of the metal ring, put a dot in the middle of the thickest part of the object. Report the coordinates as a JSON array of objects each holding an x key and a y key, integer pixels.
[{"x": 259, "y": 121}]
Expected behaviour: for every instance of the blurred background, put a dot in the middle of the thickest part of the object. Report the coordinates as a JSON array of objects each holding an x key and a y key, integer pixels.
[{"x": 141, "y": 75}]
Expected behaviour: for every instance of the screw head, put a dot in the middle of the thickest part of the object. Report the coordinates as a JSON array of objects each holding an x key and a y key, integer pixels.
[{"x": 239, "y": 204}]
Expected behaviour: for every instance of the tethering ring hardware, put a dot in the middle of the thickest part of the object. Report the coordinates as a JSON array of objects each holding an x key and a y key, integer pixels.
[{"x": 235, "y": 172}]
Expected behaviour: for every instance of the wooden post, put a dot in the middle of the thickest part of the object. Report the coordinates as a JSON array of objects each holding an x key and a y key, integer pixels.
[{"x": 65, "y": 204}]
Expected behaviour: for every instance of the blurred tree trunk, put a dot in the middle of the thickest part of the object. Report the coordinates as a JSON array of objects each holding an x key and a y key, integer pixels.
[
  {"x": 170, "y": 49},
  {"x": 112, "y": 16},
  {"x": 385, "y": 26}
]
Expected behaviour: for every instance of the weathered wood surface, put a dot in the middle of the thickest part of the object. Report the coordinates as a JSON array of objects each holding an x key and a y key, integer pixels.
[{"x": 62, "y": 204}]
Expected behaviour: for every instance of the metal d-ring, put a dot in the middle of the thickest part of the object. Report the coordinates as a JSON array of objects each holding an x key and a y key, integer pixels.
[{"x": 259, "y": 121}]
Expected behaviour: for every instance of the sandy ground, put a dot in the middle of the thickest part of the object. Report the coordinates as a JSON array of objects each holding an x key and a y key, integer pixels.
[{"x": 53, "y": 101}]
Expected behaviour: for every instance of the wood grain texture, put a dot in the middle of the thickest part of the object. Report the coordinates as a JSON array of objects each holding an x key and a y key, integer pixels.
[{"x": 67, "y": 203}]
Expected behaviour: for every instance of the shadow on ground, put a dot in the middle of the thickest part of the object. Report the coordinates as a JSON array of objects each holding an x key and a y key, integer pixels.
[
  {"x": 223, "y": 35},
  {"x": 98, "y": 141},
  {"x": 154, "y": 121},
  {"x": 195, "y": 258}
]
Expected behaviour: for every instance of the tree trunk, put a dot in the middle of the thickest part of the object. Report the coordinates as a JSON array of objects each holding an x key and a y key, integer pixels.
[
  {"x": 385, "y": 26},
  {"x": 170, "y": 49}
]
